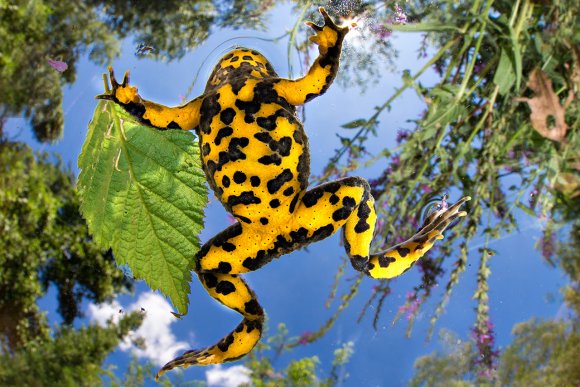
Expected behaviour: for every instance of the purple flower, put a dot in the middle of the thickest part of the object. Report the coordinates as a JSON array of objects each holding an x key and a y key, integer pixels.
[
  {"x": 396, "y": 160},
  {"x": 426, "y": 189},
  {"x": 402, "y": 135},
  {"x": 399, "y": 17},
  {"x": 381, "y": 31},
  {"x": 58, "y": 65}
]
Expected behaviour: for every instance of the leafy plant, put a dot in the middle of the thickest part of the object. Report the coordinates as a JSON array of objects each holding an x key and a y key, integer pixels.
[
  {"x": 143, "y": 193},
  {"x": 499, "y": 126}
]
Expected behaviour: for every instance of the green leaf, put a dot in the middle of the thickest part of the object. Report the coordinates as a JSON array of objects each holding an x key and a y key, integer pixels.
[
  {"x": 355, "y": 124},
  {"x": 505, "y": 75},
  {"x": 143, "y": 192},
  {"x": 517, "y": 56}
]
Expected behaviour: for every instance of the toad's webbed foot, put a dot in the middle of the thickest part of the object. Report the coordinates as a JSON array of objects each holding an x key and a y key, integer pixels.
[
  {"x": 398, "y": 259},
  {"x": 327, "y": 35},
  {"x": 121, "y": 93}
]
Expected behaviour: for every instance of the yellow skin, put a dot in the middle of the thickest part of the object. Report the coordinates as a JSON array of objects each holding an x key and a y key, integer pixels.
[{"x": 256, "y": 158}]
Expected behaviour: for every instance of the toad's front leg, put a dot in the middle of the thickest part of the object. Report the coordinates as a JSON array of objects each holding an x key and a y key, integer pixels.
[
  {"x": 152, "y": 114},
  {"x": 329, "y": 39}
]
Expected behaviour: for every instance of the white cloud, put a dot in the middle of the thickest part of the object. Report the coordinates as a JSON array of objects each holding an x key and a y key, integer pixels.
[
  {"x": 161, "y": 345},
  {"x": 227, "y": 377}
]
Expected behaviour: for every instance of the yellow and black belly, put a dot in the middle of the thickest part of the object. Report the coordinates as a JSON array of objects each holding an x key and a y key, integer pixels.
[{"x": 254, "y": 148}]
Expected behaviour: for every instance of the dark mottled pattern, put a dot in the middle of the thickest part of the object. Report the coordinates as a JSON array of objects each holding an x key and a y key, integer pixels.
[
  {"x": 252, "y": 307},
  {"x": 276, "y": 183},
  {"x": 270, "y": 159},
  {"x": 229, "y": 247},
  {"x": 239, "y": 177},
  {"x": 223, "y": 133},
  {"x": 205, "y": 149},
  {"x": 403, "y": 251},
  {"x": 226, "y": 181},
  {"x": 245, "y": 198},
  {"x": 386, "y": 261},
  {"x": 227, "y": 115},
  {"x": 224, "y": 267},
  {"x": 288, "y": 192},
  {"x": 225, "y": 343},
  {"x": 225, "y": 288},
  {"x": 173, "y": 125},
  {"x": 210, "y": 107}
]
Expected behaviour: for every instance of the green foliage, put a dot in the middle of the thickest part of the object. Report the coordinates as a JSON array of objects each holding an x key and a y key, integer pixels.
[
  {"x": 34, "y": 31},
  {"x": 499, "y": 126},
  {"x": 143, "y": 194},
  {"x": 45, "y": 242},
  {"x": 72, "y": 357}
]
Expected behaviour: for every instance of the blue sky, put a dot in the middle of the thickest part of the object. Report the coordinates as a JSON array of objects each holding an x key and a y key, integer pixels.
[{"x": 293, "y": 289}]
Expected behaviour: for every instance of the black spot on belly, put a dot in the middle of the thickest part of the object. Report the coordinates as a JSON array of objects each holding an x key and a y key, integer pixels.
[
  {"x": 322, "y": 232},
  {"x": 264, "y": 221},
  {"x": 276, "y": 183},
  {"x": 282, "y": 146},
  {"x": 334, "y": 199},
  {"x": 288, "y": 191},
  {"x": 226, "y": 181},
  {"x": 245, "y": 198},
  {"x": 229, "y": 247},
  {"x": 293, "y": 203},
  {"x": 225, "y": 288},
  {"x": 255, "y": 181},
  {"x": 239, "y": 177},
  {"x": 386, "y": 261},
  {"x": 268, "y": 123},
  {"x": 403, "y": 251},
  {"x": 274, "y": 203},
  {"x": 224, "y": 267},
  {"x": 244, "y": 219},
  {"x": 237, "y": 83},
  {"x": 223, "y": 133},
  {"x": 227, "y": 116},
  {"x": 250, "y": 108},
  {"x": 263, "y": 137},
  {"x": 252, "y": 307},
  {"x": 270, "y": 159},
  {"x": 206, "y": 149}
]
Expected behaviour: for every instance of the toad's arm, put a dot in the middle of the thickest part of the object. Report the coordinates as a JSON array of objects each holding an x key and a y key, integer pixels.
[
  {"x": 184, "y": 117},
  {"x": 329, "y": 39}
]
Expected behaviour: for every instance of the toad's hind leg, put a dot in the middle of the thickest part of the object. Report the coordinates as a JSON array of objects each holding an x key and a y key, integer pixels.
[{"x": 232, "y": 291}]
